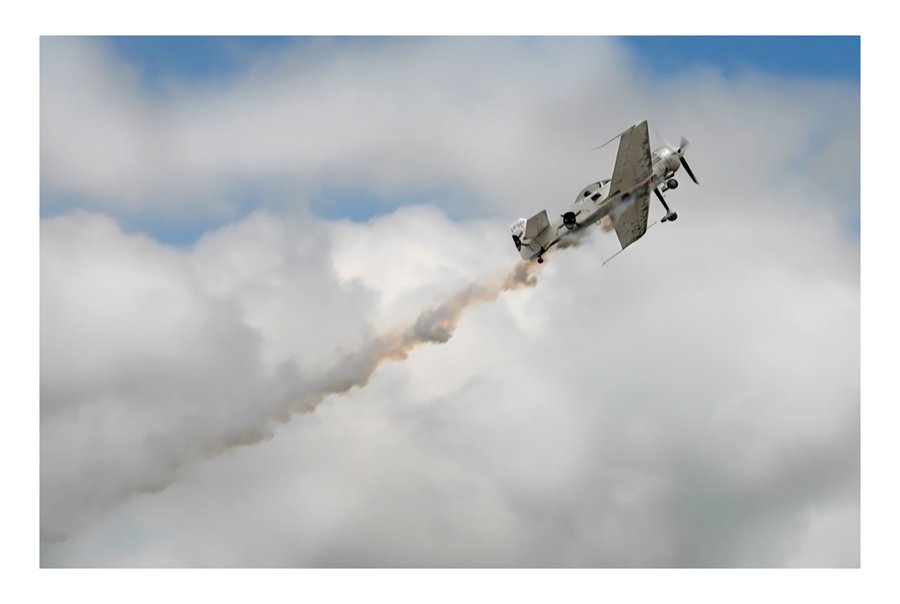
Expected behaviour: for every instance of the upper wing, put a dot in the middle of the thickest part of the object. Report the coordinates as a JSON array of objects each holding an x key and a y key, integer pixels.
[
  {"x": 629, "y": 216},
  {"x": 633, "y": 166}
]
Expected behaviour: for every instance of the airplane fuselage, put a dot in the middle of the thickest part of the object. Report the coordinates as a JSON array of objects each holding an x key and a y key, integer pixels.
[{"x": 594, "y": 202}]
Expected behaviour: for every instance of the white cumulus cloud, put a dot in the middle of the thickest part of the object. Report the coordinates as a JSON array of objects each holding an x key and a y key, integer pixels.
[{"x": 693, "y": 403}]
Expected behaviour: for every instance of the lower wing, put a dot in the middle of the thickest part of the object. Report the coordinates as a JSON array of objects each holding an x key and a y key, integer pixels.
[{"x": 629, "y": 216}]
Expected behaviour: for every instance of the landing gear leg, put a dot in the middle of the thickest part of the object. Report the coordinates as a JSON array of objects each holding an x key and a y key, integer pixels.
[{"x": 670, "y": 215}]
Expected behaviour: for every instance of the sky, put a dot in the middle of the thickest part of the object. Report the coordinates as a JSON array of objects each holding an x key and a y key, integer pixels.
[
  {"x": 282, "y": 323},
  {"x": 178, "y": 224},
  {"x": 731, "y": 56}
]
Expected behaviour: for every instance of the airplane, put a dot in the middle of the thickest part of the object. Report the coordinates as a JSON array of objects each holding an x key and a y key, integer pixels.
[{"x": 624, "y": 198}]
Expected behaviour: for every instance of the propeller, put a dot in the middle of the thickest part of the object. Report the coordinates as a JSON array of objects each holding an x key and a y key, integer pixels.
[
  {"x": 687, "y": 169},
  {"x": 680, "y": 152}
]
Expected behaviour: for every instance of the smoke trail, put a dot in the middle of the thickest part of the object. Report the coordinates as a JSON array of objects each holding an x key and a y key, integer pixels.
[
  {"x": 200, "y": 439},
  {"x": 433, "y": 326},
  {"x": 575, "y": 239}
]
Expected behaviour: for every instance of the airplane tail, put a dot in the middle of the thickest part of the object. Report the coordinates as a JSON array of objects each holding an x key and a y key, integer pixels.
[
  {"x": 518, "y": 231},
  {"x": 527, "y": 234},
  {"x": 536, "y": 224}
]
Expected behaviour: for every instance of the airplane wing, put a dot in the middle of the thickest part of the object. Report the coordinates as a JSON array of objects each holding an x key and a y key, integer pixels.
[
  {"x": 630, "y": 176},
  {"x": 630, "y": 216},
  {"x": 633, "y": 166}
]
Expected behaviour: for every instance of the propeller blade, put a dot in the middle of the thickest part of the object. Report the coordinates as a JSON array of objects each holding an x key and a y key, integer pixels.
[
  {"x": 687, "y": 169},
  {"x": 682, "y": 145},
  {"x": 657, "y": 136}
]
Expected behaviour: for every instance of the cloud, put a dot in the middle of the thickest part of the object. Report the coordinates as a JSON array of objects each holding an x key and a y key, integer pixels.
[
  {"x": 400, "y": 117},
  {"x": 191, "y": 377},
  {"x": 581, "y": 430},
  {"x": 695, "y": 402}
]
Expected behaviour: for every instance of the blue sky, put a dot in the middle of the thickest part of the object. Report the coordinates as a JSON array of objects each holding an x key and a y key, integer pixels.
[
  {"x": 193, "y": 61},
  {"x": 814, "y": 56},
  {"x": 200, "y": 57},
  {"x": 193, "y": 57}
]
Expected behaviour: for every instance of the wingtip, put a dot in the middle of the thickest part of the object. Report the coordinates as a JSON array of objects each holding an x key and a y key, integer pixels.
[{"x": 620, "y": 134}]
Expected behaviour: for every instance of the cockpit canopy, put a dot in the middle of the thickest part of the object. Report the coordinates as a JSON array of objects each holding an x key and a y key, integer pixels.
[{"x": 592, "y": 191}]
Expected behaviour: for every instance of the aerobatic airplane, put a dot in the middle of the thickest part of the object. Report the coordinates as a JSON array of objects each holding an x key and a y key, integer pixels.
[{"x": 625, "y": 197}]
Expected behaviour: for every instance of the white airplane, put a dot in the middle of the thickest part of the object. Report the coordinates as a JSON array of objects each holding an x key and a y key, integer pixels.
[{"x": 625, "y": 198}]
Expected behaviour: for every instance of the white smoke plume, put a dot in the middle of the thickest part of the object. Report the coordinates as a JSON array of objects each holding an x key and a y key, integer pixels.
[
  {"x": 200, "y": 440},
  {"x": 575, "y": 239},
  {"x": 435, "y": 325}
]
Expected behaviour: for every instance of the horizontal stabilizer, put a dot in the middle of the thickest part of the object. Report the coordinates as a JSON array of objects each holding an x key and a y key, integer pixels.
[{"x": 536, "y": 224}]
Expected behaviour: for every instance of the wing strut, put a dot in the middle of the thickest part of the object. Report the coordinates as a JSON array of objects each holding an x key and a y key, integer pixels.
[{"x": 623, "y": 249}]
